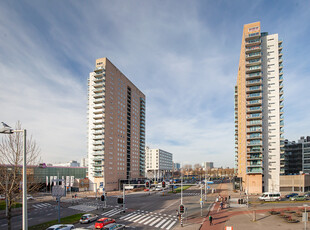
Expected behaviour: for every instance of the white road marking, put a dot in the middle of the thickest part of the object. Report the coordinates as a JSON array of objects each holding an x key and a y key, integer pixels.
[
  {"x": 147, "y": 217},
  {"x": 129, "y": 218},
  {"x": 158, "y": 219},
  {"x": 127, "y": 215},
  {"x": 136, "y": 220},
  {"x": 173, "y": 223},
  {"x": 150, "y": 220},
  {"x": 160, "y": 223},
  {"x": 166, "y": 223},
  {"x": 136, "y": 217}
]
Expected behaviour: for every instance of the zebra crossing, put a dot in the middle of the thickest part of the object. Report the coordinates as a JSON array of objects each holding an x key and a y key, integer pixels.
[
  {"x": 155, "y": 220},
  {"x": 189, "y": 194},
  {"x": 113, "y": 212},
  {"x": 84, "y": 208},
  {"x": 42, "y": 205}
]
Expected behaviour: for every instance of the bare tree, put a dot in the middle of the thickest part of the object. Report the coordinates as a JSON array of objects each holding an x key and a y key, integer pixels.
[{"x": 11, "y": 158}]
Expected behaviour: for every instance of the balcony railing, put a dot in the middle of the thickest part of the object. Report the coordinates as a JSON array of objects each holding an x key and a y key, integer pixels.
[
  {"x": 251, "y": 130},
  {"x": 253, "y": 48},
  {"x": 256, "y": 143},
  {"x": 98, "y": 95},
  {"x": 259, "y": 136},
  {"x": 258, "y": 122},
  {"x": 254, "y": 96},
  {"x": 254, "y": 170},
  {"x": 254, "y": 116}
]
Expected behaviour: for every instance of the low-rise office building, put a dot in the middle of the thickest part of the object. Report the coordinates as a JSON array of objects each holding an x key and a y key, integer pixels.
[{"x": 158, "y": 163}]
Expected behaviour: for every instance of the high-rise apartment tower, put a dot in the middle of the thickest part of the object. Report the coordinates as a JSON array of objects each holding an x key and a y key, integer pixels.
[
  {"x": 259, "y": 111},
  {"x": 116, "y": 127}
]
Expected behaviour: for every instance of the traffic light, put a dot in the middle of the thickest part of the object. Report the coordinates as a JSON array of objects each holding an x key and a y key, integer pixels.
[
  {"x": 163, "y": 184},
  {"x": 147, "y": 184},
  {"x": 102, "y": 197},
  {"x": 120, "y": 200},
  {"x": 181, "y": 209}
]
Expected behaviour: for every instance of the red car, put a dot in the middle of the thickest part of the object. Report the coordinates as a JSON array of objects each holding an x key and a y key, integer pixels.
[{"x": 103, "y": 222}]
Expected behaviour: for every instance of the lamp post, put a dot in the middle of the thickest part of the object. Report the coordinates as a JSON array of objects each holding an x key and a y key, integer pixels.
[{"x": 5, "y": 129}]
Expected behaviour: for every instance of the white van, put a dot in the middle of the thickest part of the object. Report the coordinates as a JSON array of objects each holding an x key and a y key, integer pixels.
[{"x": 270, "y": 196}]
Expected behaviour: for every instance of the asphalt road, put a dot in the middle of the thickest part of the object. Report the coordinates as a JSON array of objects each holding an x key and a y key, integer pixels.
[{"x": 143, "y": 211}]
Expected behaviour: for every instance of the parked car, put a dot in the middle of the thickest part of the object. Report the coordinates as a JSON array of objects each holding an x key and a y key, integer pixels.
[
  {"x": 307, "y": 194},
  {"x": 146, "y": 190},
  {"x": 158, "y": 188},
  {"x": 114, "y": 226},
  {"x": 270, "y": 196},
  {"x": 2, "y": 197},
  {"x": 87, "y": 218},
  {"x": 61, "y": 227},
  {"x": 103, "y": 222},
  {"x": 294, "y": 198},
  {"x": 291, "y": 195}
]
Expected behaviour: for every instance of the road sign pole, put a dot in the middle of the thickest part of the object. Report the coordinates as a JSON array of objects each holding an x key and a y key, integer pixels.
[
  {"x": 123, "y": 198},
  {"x": 58, "y": 200}
]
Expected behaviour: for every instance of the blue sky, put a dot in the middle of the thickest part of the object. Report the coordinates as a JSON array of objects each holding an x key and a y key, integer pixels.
[{"x": 182, "y": 54}]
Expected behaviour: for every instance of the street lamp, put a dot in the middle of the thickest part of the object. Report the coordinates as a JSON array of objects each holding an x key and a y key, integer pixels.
[{"x": 5, "y": 129}]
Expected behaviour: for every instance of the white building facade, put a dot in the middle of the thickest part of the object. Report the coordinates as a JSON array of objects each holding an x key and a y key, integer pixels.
[{"x": 158, "y": 163}]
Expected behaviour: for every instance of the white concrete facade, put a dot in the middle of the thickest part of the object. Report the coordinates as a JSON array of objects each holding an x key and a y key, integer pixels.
[
  {"x": 157, "y": 162},
  {"x": 272, "y": 111}
]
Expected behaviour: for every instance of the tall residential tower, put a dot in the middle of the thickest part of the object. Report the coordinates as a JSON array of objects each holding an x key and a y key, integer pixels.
[
  {"x": 116, "y": 127},
  {"x": 259, "y": 111}
]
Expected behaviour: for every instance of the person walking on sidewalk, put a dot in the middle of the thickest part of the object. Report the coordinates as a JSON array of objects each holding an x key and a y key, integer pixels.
[{"x": 210, "y": 220}]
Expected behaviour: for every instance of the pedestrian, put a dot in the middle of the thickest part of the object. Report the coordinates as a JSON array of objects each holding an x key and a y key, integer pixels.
[
  {"x": 210, "y": 220},
  {"x": 221, "y": 205},
  {"x": 229, "y": 197}
]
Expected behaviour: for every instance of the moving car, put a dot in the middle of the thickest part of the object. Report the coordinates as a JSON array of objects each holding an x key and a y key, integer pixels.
[
  {"x": 291, "y": 195},
  {"x": 294, "y": 198},
  {"x": 87, "y": 218},
  {"x": 103, "y": 222},
  {"x": 61, "y": 227},
  {"x": 29, "y": 197},
  {"x": 270, "y": 196}
]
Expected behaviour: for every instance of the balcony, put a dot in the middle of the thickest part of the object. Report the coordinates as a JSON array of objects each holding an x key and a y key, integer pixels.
[
  {"x": 96, "y": 127},
  {"x": 98, "y": 116},
  {"x": 280, "y": 53},
  {"x": 98, "y": 95},
  {"x": 97, "y": 169},
  {"x": 251, "y": 56},
  {"x": 98, "y": 111},
  {"x": 257, "y": 143},
  {"x": 254, "y": 96},
  {"x": 253, "y": 49},
  {"x": 281, "y": 66},
  {"x": 255, "y": 150},
  {"x": 97, "y": 143},
  {"x": 253, "y": 62},
  {"x": 251, "y": 76},
  {"x": 99, "y": 100},
  {"x": 98, "y": 90},
  {"x": 254, "y": 89},
  {"x": 257, "y": 130},
  {"x": 253, "y": 69},
  {"x": 252, "y": 42},
  {"x": 257, "y": 122},
  {"x": 254, "y": 170},
  {"x": 98, "y": 164},
  {"x": 98, "y": 121},
  {"x": 98, "y": 159},
  {"x": 254, "y": 103},
  {"x": 252, "y": 36},
  {"x": 98, "y": 137},
  {"x": 256, "y": 137},
  {"x": 254, "y": 82},
  {"x": 281, "y": 92},
  {"x": 254, "y": 157},
  {"x": 100, "y": 132},
  {"x": 98, "y": 175},
  {"x": 255, "y": 165},
  {"x": 98, "y": 68},
  {"x": 254, "y": 116},
  {"x": 99, "y": 153},
  {"x": 98, "y": 148},
  {"x": 98, "y": 85},
  {"x": 280, "y": 60},
  {"x": 254, "y": 109}
]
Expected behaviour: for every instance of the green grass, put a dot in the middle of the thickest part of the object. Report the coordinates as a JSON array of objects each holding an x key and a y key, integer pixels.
[
  {"x": 178, "y": 190},
  {"x": 2, "y": 205},
  {"x": 65, "y": 220}
]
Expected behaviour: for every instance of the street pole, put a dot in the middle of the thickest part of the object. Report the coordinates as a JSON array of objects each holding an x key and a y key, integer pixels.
[
  {"x": 123, "y": 198},
  {"x": 25, "y": 219},
  {"x": 96, "y": 196},
  {"x": 201, "y": 201},
  {"x": 205, "y": 189},
  {"x": 6, "y": 194},
  {"x": 58, "y": 200}
]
